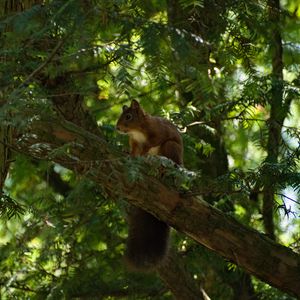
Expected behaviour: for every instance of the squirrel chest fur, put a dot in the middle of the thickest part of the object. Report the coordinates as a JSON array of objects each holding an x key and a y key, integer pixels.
[{"x": 147, "y": 242}]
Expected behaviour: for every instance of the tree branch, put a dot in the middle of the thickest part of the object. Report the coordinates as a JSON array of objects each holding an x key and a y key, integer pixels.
[{"x": 94, "y": 157}]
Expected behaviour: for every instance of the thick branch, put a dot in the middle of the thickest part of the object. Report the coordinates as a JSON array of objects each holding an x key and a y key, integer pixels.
[{"x": 88, "y": 154}]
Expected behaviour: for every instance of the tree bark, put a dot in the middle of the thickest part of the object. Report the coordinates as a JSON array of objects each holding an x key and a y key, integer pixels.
[
  {"x": 5, "y": 152},
  {"x": 183, "y": 286},
  {"x": 94, "y": 157},
  {"x": 277, "y": 114}
]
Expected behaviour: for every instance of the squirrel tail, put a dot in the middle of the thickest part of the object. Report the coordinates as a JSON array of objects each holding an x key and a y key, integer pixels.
[{"x": 148, "y": 241}]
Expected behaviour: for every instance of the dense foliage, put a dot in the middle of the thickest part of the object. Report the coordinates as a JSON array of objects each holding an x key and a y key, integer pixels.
[{"x": 226, "y": 72}]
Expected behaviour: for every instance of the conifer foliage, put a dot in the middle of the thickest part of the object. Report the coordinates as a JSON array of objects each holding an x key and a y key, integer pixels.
[{"x": 225, "y": 72}]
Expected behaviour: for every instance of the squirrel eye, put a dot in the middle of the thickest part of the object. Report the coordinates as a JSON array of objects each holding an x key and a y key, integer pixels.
[{"x": 128, "y": 117}]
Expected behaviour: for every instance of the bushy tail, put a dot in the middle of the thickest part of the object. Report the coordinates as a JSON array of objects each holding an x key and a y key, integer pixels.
[{"x": 148, "y": 241}]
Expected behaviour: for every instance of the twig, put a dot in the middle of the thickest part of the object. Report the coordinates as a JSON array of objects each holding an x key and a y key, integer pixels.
[
  {"x": 44, "y": 64},
  {"x": 289, "y": 198}
]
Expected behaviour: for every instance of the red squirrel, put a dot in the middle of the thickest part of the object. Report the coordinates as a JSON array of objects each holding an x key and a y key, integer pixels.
[{"x": 148, "y": 237}]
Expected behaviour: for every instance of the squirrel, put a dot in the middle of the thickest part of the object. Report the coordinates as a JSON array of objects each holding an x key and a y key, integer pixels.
[{"x": 148, "y": 237}]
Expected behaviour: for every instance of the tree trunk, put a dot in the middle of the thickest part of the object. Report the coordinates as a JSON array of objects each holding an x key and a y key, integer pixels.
[
  {"x": 183, "y": 286},
  {"x": 216, "y": 164},
  {"x": 277, "y": 114}
]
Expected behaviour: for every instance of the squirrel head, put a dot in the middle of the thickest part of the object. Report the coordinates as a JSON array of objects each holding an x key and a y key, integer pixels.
[{"x": 131, "y": 119}]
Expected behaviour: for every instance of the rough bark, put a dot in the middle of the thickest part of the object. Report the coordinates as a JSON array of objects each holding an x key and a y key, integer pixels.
[{"x": 90, "y": 155}]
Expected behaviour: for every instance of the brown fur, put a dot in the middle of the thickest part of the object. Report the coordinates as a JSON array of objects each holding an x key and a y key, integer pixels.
[{"x": 148, "y": 237}]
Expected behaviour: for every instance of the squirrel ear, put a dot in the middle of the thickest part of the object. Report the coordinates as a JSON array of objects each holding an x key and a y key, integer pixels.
[
  {"x": 135, "y": 104},
  {"x": 125, "y": 107}
]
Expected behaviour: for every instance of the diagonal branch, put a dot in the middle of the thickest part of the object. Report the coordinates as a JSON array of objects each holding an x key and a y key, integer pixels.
[{"x": 90, "y": 155}]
